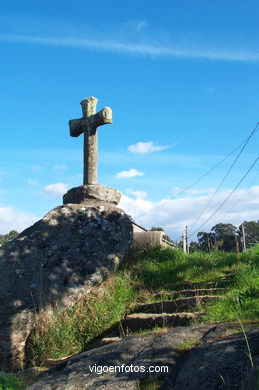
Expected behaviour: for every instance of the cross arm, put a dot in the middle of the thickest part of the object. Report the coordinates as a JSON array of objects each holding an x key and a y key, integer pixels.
[
  {"x": 102, "y": 117},
  {"x": 77, "y": 126}
]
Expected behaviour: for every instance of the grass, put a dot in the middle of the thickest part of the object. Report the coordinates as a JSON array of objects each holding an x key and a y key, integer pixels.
[
  {"x": 242, "y": 301},
  {"x": 21, "y": 381},
  {"x": 137, "y": 281},
  {"x": 150, "y": 383},
  {"x": 162, "y": 269},
  {"x": 185, "y": 346},
  {"x": 10, "y": 383},
  {"x": 70, "y": 330}
]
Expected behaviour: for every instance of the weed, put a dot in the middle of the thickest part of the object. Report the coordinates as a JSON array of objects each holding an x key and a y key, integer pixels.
[
  {"x": 186, "y": 346},
  {"x": 150, "y": 383}
]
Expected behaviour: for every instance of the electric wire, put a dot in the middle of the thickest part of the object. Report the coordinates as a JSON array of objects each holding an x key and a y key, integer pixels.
[
  {"x": 241, "y": 196},
  {"x": 244, "y": 143},
  {"x": 224, "y": 178},
  {"x": 232, "y": 207},
  {"x": 222, "y": 204}
]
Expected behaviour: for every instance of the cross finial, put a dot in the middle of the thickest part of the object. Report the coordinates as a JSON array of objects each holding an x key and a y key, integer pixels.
[{"x": 88, "y": 125}]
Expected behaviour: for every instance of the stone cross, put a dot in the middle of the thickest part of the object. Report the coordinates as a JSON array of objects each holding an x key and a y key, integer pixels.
[{"x": 88, "y": 125}]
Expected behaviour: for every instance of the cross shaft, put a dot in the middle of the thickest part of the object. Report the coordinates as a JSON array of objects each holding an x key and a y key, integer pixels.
[{"x": 88, "y": 125}]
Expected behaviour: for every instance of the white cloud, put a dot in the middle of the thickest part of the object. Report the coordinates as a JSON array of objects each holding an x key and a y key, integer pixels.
[
  {"x": 60, "y": 167},
  {"x": 14, "y": 219},
  {"x": 194, "y": 191},
  {"x": 151, "y": 48},
  {"x": 138, "y": 194},
  {"x": 128, "y": 174},
  {"x": 146, "y": 147},
  {"x": 32, "y": 182},
  {"x": 174, "y": 214},
  {"x": 55, "y": 189}
]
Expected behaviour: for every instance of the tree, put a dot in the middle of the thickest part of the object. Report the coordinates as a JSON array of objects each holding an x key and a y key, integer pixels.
[
  {"x": 206, "y": 241},
  {"x": 194, "y": 246},
  {"x": 222, "y": 236},
  {"x": 225, "y": 235}
]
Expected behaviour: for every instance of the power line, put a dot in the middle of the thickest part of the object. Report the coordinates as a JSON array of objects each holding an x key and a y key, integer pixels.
[
  {"x": 222, "y": 204},
  {"x": 241, "y": 196},
  {"x": 244, "y": 143},
  {"x": 224, "y": 178},
  {"x": 232, "y": 207}
]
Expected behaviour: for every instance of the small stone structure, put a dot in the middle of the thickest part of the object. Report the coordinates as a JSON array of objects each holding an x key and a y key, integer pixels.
[
  {"x": 61, "y": 257},
  {"x": 143, "y": 238}
]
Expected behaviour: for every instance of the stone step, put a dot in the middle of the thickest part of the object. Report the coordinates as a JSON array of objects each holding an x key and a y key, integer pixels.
[
  {"x": 142, "y": 321},
  {"x": 191, "y": 293},
  {"x": 224, "y": 282},
  {"x": 175, "y": 305},
  {"x": 108, "y": 340}
]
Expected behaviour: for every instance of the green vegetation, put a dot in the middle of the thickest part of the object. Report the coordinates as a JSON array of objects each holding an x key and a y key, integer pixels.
[
  {"x": 150, "y": 383},
  {"x": 10, "y": 383},
  {"x": 187, "y": 345},
  {"x": 242, "y": 301},
  {"x": 138, "y": 280},
  {"x": 4, "y": 238},
  {"x": 167, "y": 269},
  {"x": 227, "y": 237},
  {"x": 21, "y": 381},
  {"x": 70, "y": 331}
]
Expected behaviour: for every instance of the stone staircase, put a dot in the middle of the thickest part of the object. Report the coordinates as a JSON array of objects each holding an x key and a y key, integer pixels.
[
  {"x": 166, "y": 313},
  {"x": 169, "y": 309}
]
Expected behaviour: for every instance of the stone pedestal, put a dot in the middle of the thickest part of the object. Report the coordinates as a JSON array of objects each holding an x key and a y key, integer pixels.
[{"x": 83, "y": 194}]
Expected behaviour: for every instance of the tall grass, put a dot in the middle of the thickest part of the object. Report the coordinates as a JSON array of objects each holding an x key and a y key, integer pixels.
[
  {"x": 241, "y": 302},
  {"x": 151, "y": 271},
  {"x": 70, "y": 330}
]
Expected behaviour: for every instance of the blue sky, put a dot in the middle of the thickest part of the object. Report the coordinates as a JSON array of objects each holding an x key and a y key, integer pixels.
[{"x": 182, "y": 80}]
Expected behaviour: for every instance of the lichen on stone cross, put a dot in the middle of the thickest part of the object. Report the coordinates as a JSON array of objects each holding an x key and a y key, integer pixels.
[{"x": 88, "y": 125}]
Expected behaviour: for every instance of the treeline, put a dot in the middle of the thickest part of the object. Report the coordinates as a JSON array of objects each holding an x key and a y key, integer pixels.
[{"x": 227, "y": 237}]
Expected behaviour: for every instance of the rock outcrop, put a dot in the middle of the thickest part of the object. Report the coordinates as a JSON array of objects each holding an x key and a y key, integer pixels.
[
  {"x": 199, "y": 357},
  {"x": 52, "y": 263}
]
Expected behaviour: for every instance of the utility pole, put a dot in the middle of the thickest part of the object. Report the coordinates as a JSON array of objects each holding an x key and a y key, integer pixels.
[
  {"x": 184, "y": 242},
  {"x": 187, "y": 239},
  {"x": 243, "y": 238}
]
